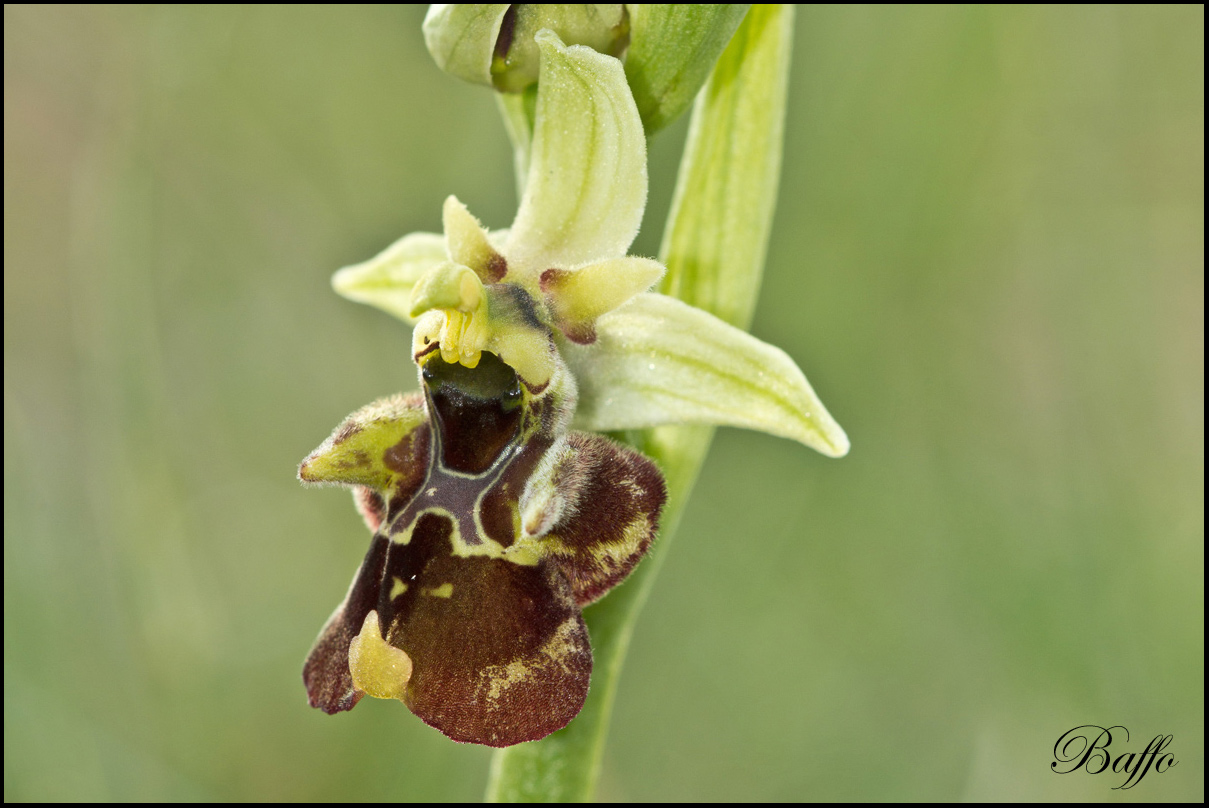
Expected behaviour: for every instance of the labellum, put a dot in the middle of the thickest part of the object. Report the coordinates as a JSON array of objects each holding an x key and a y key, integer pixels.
[{"x": 493, "y": 527}]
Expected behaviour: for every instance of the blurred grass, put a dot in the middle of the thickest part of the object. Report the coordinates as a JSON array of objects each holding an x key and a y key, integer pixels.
[{"x": 988, "y": 258}]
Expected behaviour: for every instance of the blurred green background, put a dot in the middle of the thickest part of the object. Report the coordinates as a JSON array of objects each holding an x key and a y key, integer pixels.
[{"x": 988, "y": 258}]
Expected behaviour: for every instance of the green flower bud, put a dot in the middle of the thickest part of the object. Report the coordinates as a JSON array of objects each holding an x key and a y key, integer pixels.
[
  {"x": 494, "y": 44},
  {"x": 602, "y": 27},
  {"x": 461, "y": 37},
  {"x": 669, "y": 49}
]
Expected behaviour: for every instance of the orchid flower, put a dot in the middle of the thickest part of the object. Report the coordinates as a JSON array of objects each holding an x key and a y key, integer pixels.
[{"x": 496, "y": 514}]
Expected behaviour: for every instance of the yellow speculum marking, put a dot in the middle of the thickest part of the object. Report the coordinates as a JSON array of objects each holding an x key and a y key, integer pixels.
[
  {"x": 404, "y": 537},
  {"x": 378, "y": 668},
  {"x": 397, "y": 587},
  {"x": 445, "y": 590}
]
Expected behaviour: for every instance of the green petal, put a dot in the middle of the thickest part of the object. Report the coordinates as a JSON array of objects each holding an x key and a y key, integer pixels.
[
  {"x": 660, "y": 361},
  {"x": 468, "y": 243},
  {"x": 673, "y": 46},
  {"x": 578, "y": 296},
  {"x": 587, "y": 175},
  {"x": 386, "y": 280},
  {"x": 461, "y": 37}
]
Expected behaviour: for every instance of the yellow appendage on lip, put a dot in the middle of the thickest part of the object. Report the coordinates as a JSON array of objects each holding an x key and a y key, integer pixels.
[{"x": 378, "y": 668}]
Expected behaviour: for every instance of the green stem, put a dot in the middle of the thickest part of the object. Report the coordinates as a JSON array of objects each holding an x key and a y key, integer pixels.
[
  {"x": 714, "y": 248},
  {"x": 517, "y": 111}
]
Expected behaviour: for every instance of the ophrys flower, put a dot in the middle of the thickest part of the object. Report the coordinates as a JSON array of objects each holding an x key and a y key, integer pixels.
[{"x": 493, "y": 522}]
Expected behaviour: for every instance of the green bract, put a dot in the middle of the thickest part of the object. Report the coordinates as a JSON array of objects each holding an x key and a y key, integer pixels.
[
  {"x": 494, "y": 522},
  {"x": 673, "y": 47}
]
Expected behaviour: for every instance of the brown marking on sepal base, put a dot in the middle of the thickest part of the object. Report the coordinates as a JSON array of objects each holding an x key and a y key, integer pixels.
[
  {"x": 535, "y": 389},
  {"x": 551, "y": 278},
  {"x": 497, "y": 268},
  {"x": 579, "y": 333},
  {"x": 346, "y": 431},
  {"x": 426, "y": 350}
]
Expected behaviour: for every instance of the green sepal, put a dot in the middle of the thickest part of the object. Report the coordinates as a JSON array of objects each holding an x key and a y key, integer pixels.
[
  {"x": 587, "y": 182},
  {"x": 659, "y": 361},
  {"x": 386, "y": 280}
]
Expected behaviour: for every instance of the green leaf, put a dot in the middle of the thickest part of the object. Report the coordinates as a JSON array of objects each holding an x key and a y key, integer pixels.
[
  {"x": 659, "y": 361},
  {"x": 673, "y": 47},
  {"x": 386, "y": 280},
  {"x": 587, "y": 180},
  {"x": 721, "y": 215}
]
